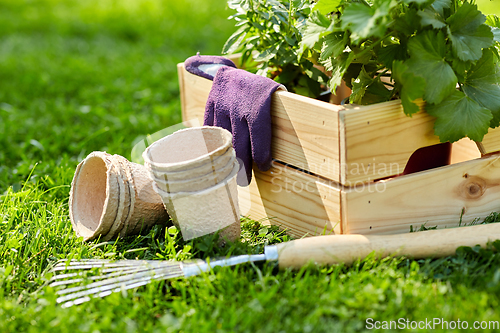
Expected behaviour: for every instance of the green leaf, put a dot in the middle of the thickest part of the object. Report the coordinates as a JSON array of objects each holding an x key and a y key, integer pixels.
[
  {"x": 288, "y": 74},
  {"x": 440, "y": 5},
  {"x": 459, "y": 116},
  {"x": 408, "y": 22},
  {"x": 268, "y": 54},
  {"x": 467, "y": 16},
  {"x": 494, "y": 22},
  {"x": 308, "y": 87},
  {"x": 317, "y": 26},
  {"x": 468, "y": 46},
  {"x": 234, "y": 40},
  {"x": 285, "y": 55},
  {"x": 314, "y": 73},
  {"x": 359, "y": 86},
  {"x": 327, "y": 6},
  {"x": 338, "y": 66},
  {"x": 467, "y": 32},
  {"x": 333, "y": 46},
  {"x": 460, "y": 68},
  {"x": 351, "y": 73},
  {"x": 496, "y": 34},
  {"x": 429, "y": 16},
  {"x": 367, "y": 89},
  {"x": 358, "y": 17},
  {"x": 427, "y": 51},
  {"x": 482, "y": 85},
  {"x": 411, "y": 87},
  {"x": 258, "y": 26},
  {"x": 389, "y": 53},
  {"x": 418, "y": 2},
  {"x": 364, "y": 21},
  {"x": 376, "y": 92}
]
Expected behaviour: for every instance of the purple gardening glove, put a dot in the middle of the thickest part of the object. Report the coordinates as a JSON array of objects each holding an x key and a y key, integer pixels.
[
  {"x": 206, "y": 66},
  {"x": 241, "y": 103}
]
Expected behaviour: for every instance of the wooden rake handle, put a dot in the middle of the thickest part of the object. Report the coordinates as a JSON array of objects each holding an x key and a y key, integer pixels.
[{"x": 348, "y": 248}]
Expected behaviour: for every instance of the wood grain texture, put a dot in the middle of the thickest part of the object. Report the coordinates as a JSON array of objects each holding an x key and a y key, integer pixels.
[
  {"x": 182, "y": 87},
  {"x": 346, "y": 249},
  {"x": 379, "y": 140},
  {"x": 305, "y": 134},
  {"x": 302, "y": 203},
  {"x": 194, "y": 94},
  {"x": 437, "y": 197}
]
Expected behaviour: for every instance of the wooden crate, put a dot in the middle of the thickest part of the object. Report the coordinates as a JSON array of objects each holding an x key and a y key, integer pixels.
[{"x": 343, "y": 158}]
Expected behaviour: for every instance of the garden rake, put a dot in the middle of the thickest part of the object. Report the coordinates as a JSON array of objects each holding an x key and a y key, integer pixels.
[{"x": 125, "y": 274}]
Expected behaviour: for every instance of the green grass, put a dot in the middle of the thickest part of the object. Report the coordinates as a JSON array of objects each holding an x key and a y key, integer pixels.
[{"x": 79, "y": 76}]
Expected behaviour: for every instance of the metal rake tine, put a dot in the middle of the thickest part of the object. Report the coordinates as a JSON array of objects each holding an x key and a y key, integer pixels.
[
  {"x": 122, "y": 262},
  {"x": 115, "y": 286},
  {"x": 119, "y": 279},
  {"x": 109, "y": 264},
  {"x": 66, "y": 262},
  {"x": 113, "y": 283},
  {"x": 104, "y": 269},
  {"x": 59, "y": 279},
  {"x": 84, "y": 299},
  {"x": 111, "y": 273}
]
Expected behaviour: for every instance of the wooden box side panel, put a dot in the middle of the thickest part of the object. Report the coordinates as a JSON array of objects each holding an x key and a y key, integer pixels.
[
  {"x": 194, "y": 92},
  {"x": 439, "y": 197},
  {"x": 379, "y": 140},
  {"x": 306, "y": 134},
  {"x": 305, "y": 131},
  {"x": 301, "y": 203}
]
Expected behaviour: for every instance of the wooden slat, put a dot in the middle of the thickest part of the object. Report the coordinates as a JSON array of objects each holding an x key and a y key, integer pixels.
[
  {"x": 436, "y": 197},
  {"x": 301, "y": 203},
  {"x": 379, "y": 140},
  {"x": 491, "y": 141},
  {"x": 305, "y": 131},
  {"x": 182, "y": 88},
  {"x": 305, "y": 134},
  {"x": 194, "y": 94}
]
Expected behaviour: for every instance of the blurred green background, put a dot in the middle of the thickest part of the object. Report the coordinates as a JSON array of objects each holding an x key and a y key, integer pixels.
[
  {"x": 489, "y": 6},
  {"x": 79, "y": 76}
]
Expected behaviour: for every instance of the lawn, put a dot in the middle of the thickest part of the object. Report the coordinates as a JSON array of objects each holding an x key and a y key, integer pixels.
[{"x": 80, "y": 76}]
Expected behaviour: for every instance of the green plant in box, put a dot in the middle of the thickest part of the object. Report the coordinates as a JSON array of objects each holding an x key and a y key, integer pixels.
[
  {"x": 444, "y": 51},
  {"x": 269, "y": 33}
]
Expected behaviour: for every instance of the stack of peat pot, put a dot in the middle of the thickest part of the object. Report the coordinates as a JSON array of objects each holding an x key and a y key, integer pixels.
[
  {"x": 194, "y": 171},
  {"x": 112, "y": 197}
]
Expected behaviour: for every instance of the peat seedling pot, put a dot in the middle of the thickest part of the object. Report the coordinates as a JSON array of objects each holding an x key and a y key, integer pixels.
[
  {"x": 197, "y": 183},
  {"x": 202, "y": 198},
  {"x": 217, "y": 163},
  {"x": 188, "y": 149},
  {"x": 112, "y": 197},
  {"x": 207, "y": 211}
]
